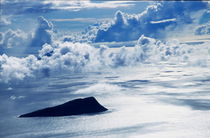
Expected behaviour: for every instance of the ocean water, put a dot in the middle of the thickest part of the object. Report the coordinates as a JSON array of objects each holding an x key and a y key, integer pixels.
[{"x": 162, "y": 99}]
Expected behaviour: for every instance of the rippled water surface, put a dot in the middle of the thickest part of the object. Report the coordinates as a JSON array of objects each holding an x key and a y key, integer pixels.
[{"x": 164, "y": 100}]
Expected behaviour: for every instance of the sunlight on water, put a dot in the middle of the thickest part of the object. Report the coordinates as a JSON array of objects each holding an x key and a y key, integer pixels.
[{"x": 152, "y": 101}]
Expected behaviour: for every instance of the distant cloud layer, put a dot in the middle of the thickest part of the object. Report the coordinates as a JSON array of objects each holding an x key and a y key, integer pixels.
[
  {"x": 76, "y": 57},
  {"x": 43, "y": 6},
  {"x": 71, "y": 54},
  {"x": 155, "y": 21},
  {"x": 24, "y": 7}
]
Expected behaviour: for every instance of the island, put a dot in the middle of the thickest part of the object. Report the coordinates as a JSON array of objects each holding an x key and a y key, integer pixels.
[{"x": 79, "y": 106}]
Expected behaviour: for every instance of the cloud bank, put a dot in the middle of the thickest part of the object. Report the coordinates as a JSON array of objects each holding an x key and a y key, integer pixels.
[
  {"x": 154, "y": 22},
  {"x": 70, "y": 56},
  {"x": 80, "y": 57}
]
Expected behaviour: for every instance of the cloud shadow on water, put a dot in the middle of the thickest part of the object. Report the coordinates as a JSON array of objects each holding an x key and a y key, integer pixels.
[
  {"x": 195, "y": 104},
  {"x": 131, "y": 83}
]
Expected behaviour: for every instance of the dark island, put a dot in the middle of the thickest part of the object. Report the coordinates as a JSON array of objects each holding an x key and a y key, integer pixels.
[{"x": 80, "y": 106}]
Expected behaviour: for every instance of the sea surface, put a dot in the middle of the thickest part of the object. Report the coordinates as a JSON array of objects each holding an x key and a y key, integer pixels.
[{"x": 148, "y": 100}]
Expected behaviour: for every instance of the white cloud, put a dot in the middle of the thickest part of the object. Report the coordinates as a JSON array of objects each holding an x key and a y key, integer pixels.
[
  {"x": 155, "y": 21},
  {"x": 12, "y": 68},
  {"x": 77, "y": 57},
  {"x": 43, "y": 33},
  {"x": 39, "y": 6},
  {"x": 13, "y": 38},
  {"x": 79, "y": 4},
  {"x": 73, "y": 57},
  {"x": 203, "y": 29},
  {"x": 17, "y": 41},
  {"x": 91, "y": 20},
  {"x": 5, "y": 20},
  {"x": 109, "y": 4},
  {"x": 164, "y": 21}
]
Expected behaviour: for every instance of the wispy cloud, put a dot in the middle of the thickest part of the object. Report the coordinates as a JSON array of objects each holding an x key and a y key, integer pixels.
[
  {"x": 5, "y": 20},
  {"x": 91, "y": 20},
  {"x": 37, "y": 6},
  {"x": 79, "y": 4},
  {"x": 164, "y": 21}
]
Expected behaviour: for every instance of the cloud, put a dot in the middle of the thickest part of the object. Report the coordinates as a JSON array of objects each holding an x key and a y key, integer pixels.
[
  {"x": 5, "y": 20},
  {"x": 43, "y": 6},
  {"x": 1, "y": 37},
  {"x": 91, "y": 20},
  {"x": 203, "y": 29},
  {"x": 12, "y": 68},
  {"x": 17, "y": 41},
  {"x": 70, "y": 56},
  {"x": 43, "y": 33},
  {"x": 81, "y": 57},
  {"x": 9, "y": 7},
  {"x": 52, "y": 59},
  {"x": 81, "y": 4},
  {"x": 164, "y": 21},
  {"x": 10, "y": 39},
  {"x": 155, "y": 21}
]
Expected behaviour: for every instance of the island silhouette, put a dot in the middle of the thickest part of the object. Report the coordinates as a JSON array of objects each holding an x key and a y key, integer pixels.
[{"x": 79, "y": 106}]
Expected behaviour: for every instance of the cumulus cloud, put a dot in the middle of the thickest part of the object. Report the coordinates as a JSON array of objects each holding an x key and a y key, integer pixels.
[
  {"x": 17, "y": 41},
  {"x": 12, "y": 68},
  {"x": 52, "y": 59},
  {"x": 13, "y": 39},
  {"x": 78, "y": 57},
  {"x": 70, "y": 56},
  {"x": 153, "y": 22},
  {"x": 43, "y": 33},
  {"x": 203, "y": 29}
]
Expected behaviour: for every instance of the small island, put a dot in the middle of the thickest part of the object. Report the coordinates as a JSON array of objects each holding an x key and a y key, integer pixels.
[{"x": 79, "y": 106}]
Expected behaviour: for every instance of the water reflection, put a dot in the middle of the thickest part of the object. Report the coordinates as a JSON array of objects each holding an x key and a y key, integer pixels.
[{"x": 142, "y": 101}]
